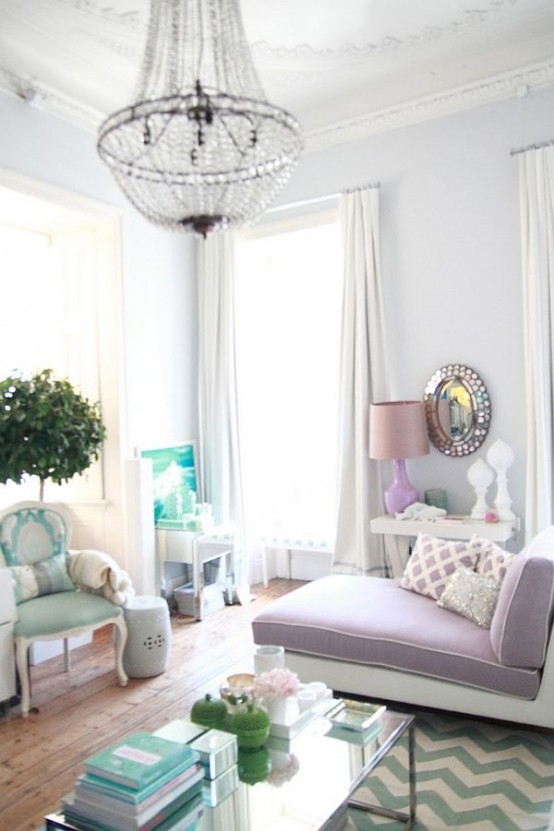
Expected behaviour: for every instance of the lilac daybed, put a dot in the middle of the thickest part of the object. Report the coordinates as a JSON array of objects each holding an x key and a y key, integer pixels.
[{"x": 369, "y": 636}]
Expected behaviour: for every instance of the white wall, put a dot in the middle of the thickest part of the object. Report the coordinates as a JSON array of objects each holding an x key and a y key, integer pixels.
[
  {"x": 451, "y": 262},
  {"x": 451, "y": 259},
  {"x": 158, "y": 285}
]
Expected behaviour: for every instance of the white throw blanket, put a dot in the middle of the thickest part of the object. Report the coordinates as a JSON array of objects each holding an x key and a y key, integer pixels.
[
  {"x": 419, "y": 510},
  {"x": 97, "y": 572}
]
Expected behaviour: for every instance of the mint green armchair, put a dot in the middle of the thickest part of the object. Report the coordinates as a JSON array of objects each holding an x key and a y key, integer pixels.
[{"x": 34, "y": 540}]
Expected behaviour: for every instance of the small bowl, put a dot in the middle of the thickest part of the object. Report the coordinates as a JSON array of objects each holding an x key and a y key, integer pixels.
[
  {"x": 243, "y": 679},
  {"x": 238, "y": 690}
]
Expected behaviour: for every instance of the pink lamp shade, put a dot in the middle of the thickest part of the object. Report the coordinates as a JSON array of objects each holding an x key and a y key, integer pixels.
[{"x": 398, "y": 431}]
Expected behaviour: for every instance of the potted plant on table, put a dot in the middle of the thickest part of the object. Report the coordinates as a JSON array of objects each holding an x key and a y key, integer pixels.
[{"x": 47, "y": 429}]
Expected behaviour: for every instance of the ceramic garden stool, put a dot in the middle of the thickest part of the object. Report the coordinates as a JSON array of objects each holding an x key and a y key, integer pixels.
[{"x": 149, "y": 636}]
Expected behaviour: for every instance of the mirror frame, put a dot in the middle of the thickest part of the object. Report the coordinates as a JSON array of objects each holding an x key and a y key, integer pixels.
[{"x": 480, "y": 407}]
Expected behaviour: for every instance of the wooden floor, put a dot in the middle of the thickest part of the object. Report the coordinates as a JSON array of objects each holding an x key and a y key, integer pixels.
[{"x": 79, "y": 713}]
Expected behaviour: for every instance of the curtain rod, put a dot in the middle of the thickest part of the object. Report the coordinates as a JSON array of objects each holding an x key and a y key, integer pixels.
[
  {"x": 316, "y": 199},
  {"x": 547, "y": 143}
]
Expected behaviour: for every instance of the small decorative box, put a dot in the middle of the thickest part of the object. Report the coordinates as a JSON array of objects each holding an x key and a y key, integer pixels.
[
  {"x": 218, "y": 751},
  {"x": 216, "y": 790}
]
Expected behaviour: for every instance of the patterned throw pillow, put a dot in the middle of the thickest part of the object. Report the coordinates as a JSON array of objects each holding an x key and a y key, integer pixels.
[
  {"x": 472, "y": 596},
  {"x": 47, "y": 577},
  {"x": 433, "y": 561},
  {"x": 493, "y": 561},
  {"x": 32, "y": 535}
]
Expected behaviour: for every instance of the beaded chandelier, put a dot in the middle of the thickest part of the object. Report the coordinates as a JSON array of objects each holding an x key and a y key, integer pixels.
[{"x": 200, "y": 148}]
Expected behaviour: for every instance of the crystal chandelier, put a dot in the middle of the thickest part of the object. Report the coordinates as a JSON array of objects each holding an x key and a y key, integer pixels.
[{"x": 200, "y": 148}]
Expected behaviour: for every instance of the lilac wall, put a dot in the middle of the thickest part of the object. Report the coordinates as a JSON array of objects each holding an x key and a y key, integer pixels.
[{"x": 450, "y": 257}]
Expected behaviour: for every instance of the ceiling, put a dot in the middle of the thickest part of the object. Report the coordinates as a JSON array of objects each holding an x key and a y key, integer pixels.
[{"x": 344, "y": 68}]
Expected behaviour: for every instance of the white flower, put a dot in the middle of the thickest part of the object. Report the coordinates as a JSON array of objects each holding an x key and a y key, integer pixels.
[{"x": 278, "y": 683}]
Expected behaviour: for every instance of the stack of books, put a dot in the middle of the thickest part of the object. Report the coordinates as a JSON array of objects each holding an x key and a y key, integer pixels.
[
  {"x": 143, "y": 783},
  {"x": 211, "y": 599}
]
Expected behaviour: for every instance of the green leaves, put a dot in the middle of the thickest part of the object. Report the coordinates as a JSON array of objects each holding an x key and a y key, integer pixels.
[{"x": 47, "y": 428}]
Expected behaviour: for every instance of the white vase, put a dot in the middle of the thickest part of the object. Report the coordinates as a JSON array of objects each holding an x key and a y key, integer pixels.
[
  {"x": 501, "y": 456},
  {"x": 283, "y": 711},
  {"x": 480, "y": 476},
  {"x": 267, "y": 658}
]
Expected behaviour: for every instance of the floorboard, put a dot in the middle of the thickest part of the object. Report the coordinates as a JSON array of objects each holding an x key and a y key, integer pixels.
[{"x": 76, "y": 714}]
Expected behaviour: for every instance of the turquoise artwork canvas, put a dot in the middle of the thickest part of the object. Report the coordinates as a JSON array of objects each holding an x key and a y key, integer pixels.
[{"x": 175, "y": 482}]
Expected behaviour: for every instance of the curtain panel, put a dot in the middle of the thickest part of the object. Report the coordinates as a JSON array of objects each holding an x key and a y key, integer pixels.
[
  {"x": 363, "y": 380},
  {"x": 536, "y": 175},
  {"x": 217, "y": 389}
]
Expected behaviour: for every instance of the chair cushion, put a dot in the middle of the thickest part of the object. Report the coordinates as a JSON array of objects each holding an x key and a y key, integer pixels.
[
  {"x": 29, "y": 535},
  {"x": 521, "y": 623},
  {"x": 45, "y": 577},
  {"x": 56, "y": 613}
]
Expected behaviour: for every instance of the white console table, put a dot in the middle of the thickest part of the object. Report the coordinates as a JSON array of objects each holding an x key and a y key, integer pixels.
[
  {"x": 194, "y": 548},
  {"x": 399, "y": 532}
]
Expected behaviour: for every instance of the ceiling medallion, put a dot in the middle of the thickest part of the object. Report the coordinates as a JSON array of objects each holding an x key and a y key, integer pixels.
[{"x": 200, "y": 148}]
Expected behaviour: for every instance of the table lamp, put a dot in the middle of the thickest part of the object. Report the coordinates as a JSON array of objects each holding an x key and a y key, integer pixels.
[{"x": 398, "y": 431}]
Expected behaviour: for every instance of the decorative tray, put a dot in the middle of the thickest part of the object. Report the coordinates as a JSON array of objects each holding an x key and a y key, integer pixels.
[
  {"x": 356, "y": 715},
  {"x": 289, "y": 731},
  {"x": 357, "y": 737}
]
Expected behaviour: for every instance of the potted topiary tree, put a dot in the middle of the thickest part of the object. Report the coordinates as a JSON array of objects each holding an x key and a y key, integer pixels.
[{"x": 47, "y": 429}]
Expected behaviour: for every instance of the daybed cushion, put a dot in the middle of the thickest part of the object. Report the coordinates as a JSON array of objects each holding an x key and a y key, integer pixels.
[
  {"x": 521, "y": 624},
  {"x": 370, "y": 620}
]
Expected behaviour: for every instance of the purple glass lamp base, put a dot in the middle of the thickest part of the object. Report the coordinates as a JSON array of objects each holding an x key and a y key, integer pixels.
[{"x": 401, "y": 493}]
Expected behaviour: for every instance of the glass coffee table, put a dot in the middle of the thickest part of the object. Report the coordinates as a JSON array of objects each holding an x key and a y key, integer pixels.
[
  {"x": 303, "y": 783},
  {"x": 313, "y": 778}
]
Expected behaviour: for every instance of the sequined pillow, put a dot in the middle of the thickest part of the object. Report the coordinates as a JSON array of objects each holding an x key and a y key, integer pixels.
[
  {"x": 46, "y": 577},
  {"x": 471, "y": 595},
  {"x": 433, "y": 561},
  {"x": 493, "y": 561}
]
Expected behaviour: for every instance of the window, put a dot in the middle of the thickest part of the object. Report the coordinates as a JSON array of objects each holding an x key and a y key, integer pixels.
[
  {"x": 288, "y": 311},
  {"x": 60, "y": 275},
  {"x": 50, "y": 281}
]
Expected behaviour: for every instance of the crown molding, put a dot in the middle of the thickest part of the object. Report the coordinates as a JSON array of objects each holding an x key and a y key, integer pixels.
[
  {"x": 499, "y": 88},
  {"x": 508, "y": 85},
  {"x": 50, "y": 100}
]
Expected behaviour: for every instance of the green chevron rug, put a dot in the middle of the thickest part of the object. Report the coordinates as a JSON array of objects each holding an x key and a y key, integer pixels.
[{"x": 471, "y": 775}]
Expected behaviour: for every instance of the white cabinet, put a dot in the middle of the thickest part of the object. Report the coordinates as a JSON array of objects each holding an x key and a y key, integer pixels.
[{"x": 7, "y": 618}]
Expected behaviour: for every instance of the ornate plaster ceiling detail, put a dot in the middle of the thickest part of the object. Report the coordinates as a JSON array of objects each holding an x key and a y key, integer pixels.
[
  {"x": 344, "y": 69},
  {"x": 131, "y": 15},
  {"x": 347, "y": 50}
]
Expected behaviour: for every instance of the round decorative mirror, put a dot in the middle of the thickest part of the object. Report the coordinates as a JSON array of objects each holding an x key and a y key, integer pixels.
[{"x": 457, "y": 409}]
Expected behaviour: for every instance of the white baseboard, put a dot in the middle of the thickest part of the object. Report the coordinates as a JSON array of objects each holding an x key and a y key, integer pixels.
[{"x": 43, "y": 650}]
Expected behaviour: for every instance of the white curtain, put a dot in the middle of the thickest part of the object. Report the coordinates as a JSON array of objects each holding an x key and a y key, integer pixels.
[
  {"x": 217, "y": 392},
  {"x": 536, "y": 170},
  {"x": 363, "y": 379}
]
